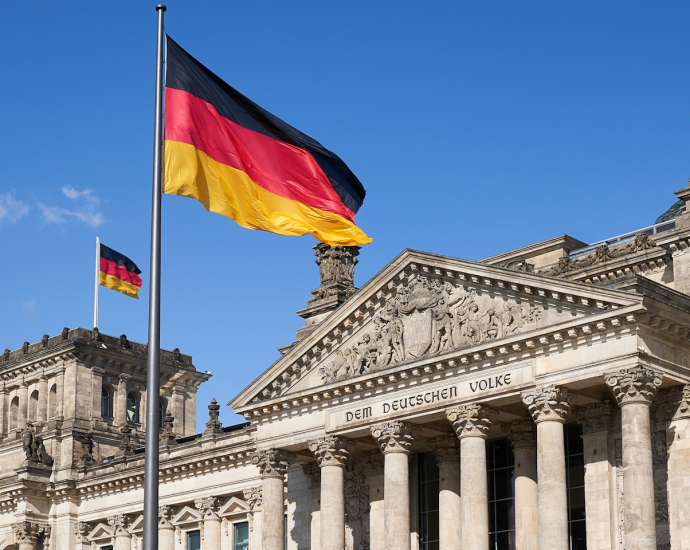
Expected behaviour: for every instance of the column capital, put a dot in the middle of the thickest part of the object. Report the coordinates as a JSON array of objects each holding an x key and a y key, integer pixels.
[
  {"x": 548, "y": 403},
  {"x": 120, "y": 522},
  {"x": 254, "y": 498},
  {"x": 680, "y": 402},
  {"x": 522, "y": 434},
  {"x": 312, "y": 471},
  {"x": 81, "y": 528},
  {"x": 124, "y": 377},
  {"x": 273, "y": 462},
  {"x": 471, "y": 420},
  {"x": 165, "y": 514},
  {"x": 635, "y": 385},
  {"x": 394, "y": 437},
  {"x": 594, "y": 417},
  {"x": 446, "y": 448},
  {"x": 208, "y": 506},
  {"x": 27, "y": 532},
  {"x": 331, "y": 450}
]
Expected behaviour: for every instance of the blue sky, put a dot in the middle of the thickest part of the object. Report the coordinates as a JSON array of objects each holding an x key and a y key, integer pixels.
[{"x": 476, "y": 128}]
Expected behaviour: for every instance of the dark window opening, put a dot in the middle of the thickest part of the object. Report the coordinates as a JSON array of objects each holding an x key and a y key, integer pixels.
[
  {"x": 194, "y": 540},
  {"x": 241, "y": 536},
  {"x": 428, "y": 502},
  {"x": 501, "y": 470},
  {"x": 106, "y": 403},
  {"x": 575, "y": 479},
  {"x": 132, "y": 408}
]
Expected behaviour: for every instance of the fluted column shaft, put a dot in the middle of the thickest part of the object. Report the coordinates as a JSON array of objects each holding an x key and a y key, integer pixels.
[
  {"x": 331, "y": 453},
  {"x": 447, "y": 452},
  {"x": 549, "y": 407},
  {"x": 42, "y": 413},
  {"x": 395, "y": 441},
  {"x": 273, "y": 465},
  {"x": 471, "y": 424},
  {"x": 523, "y": 437},
  {"x": 634, "y": 390}
]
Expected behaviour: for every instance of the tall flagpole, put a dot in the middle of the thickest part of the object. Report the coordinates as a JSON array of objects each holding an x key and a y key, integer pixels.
[
  {"x": 153, "y": 361},
  {"x": 98, "y": 281}
]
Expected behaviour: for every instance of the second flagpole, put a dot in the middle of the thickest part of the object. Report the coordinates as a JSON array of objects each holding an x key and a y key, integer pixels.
[{"x": 153, "y": 360}]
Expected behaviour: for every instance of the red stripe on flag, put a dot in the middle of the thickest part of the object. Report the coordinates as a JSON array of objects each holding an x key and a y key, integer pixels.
[
  {"x": 119, "y": 271},
  {"x": 278, "y": 167}
]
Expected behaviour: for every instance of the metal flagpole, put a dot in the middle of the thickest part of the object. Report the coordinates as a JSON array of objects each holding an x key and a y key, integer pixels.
[
  {"x": 98, "y": 281},
  {"x": 153, "y": 361}
]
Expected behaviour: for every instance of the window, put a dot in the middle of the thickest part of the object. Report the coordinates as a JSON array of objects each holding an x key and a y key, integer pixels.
[
  {"x": 33, "y": 406},
  {"x": 52, "y": 401},
  {"x": 14, "y": 412},
  {"x": 575, "y": 471},
  {"x": 109, "y": 547},
  {"x": 106, "y": 403},
  {"x": 241, "y": 536},
  {"x": 162, "y": 407},
  {"x": 428, "y": 502},
  {"x": 194, "y": 540},
  {"x": 132, "y": 408},
  {"x": 501, "y": 471}
]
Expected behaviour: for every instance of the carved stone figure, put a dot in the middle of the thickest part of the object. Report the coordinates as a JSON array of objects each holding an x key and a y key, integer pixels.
[
  {"x": 44, "y": 340},
  {"x": 87, "y": 456},
  {"x": 213, "y": 426},
  {"x": 428, "y": 317},
  {"x": 33, "y": 446},
  {"x": 336, "y": 271},
  {"x": 168, "y": 435},
  {"x": 125, "y": 444}
]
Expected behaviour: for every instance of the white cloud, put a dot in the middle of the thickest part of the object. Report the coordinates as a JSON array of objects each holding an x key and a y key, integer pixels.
[
  {"x": 29, "y": 305},
  {"x": 11, "y": 209},
  {"x": 87, "y": 194},
  {"x": 87, "y": 213}
]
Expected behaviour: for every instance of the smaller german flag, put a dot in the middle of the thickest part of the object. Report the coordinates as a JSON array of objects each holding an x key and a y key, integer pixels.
[{"x": 119, "y": 272}]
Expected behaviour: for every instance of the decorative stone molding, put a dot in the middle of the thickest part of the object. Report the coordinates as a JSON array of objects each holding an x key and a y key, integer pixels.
[
  {"x": 394, "y": 437},
  {"x": 680, "y": 397},
  {"x": 27, "y": 532},
  {"x": 81, "y": 528},
  {"x": 594, "y": 417},
  {"x": 548, "y": 403},
  {"x": 636, "y": 385},
  {"x": 313, "y": 472},
  {"x": 213, "y": 426},
  {"x": 336, "y": 270},
  {"x": 125, "y": 448},
  {"x": 332, "y": 450},
  {"x": 471, "y": 420},
  {"x": 165, "y": 514},
  {"x": 121, "y": 524},
  {"x": 273, "y": 462},
  {"x": 254, "y": 498},
  {"x": 208, "y": 506},
  {"x": 522, "y": 434},
  {"x": 168, "y": 436},
  {"x": 446, "y": 448}
]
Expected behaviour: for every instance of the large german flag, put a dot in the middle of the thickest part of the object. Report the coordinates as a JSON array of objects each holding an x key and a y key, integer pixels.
[
  {"x": 119, "y": 272},
  {"x": 240, "y": 161}
]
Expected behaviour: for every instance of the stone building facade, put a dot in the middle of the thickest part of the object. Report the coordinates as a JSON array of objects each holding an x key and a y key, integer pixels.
[{"x": 539, "y": 399}]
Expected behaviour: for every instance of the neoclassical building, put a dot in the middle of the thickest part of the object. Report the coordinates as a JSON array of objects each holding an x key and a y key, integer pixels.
[{"x": 535, "y": 400}]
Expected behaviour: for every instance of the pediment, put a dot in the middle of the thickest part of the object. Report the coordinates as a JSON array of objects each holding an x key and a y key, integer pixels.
[
  {"x": 233, "y": 506},
  {"x": 186, "y": 515},
  {"x": 101, "y": 532},
  {"x": 422, "y": 306},
  {"x": 137, "y": 525}
]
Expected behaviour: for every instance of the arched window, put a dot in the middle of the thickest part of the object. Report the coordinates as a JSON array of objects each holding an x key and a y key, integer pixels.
[
  {"x": 162, "y": 407},
  {"x": 14, "y": 413},
  {"x": 33, "y": 406},
  {"x": 52, "y": 401},
  {"x": 132, "y": 407},
  {"x": 106, "y": 403}
]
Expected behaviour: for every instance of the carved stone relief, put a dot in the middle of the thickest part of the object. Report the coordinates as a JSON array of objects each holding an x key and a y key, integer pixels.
[{"x": 428, "y": 317}]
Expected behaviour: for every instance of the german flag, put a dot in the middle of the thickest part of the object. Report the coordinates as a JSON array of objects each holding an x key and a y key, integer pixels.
[
  {"x": 119, "y": 272},
  {"x": 240, "y": 161}
]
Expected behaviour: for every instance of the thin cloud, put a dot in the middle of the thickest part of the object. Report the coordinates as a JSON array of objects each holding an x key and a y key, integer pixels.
[
  {"x": 87, "y": 213},
  {"x": 11, "y": 209},
  {"x": 29, "y": 306}
]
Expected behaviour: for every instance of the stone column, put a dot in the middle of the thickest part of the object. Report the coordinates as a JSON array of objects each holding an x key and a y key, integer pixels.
[
  {"x": 471, "y": 423},
  {"x": 447, "y": 453},
  {"x": 395, "y": 441},
  {"x": 177, "y": 407},
  {"x": 634, "y": 390},
  {"x": 523, "y": 437},
  {"x": 273, "y": 465},
  {"x": 595, "y": 419},
  {"x": 166, "y": 531},
  {"x": 4, "y": 410},
  {"x": 208, "y": 506},
  {"x": 26, "y": 534},
  {"x": 549, "y": 406},
  {"x": 253, "y": 496},
  {"x": 23, "y": 412},
  {"x": 96, "y": 391},
  {"x": 43, "y": 399},
  {"x": 123, "y": 538},
  {"x": 678, "y": 472},
  {"x": 331, "y": 454},
  {"x": 121, "y": 414}
]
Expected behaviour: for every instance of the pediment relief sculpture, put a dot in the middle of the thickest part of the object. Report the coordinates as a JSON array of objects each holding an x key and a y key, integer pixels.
[{"x": 428, "y": 317}]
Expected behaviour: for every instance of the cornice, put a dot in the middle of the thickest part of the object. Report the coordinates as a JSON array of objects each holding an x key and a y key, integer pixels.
[{"x": 361, "y": 307}]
